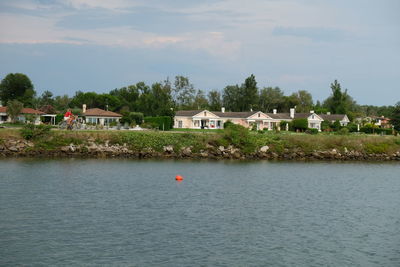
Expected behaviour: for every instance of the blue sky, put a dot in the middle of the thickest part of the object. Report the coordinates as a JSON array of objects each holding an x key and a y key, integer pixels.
[{"x": 92, "y": 45}]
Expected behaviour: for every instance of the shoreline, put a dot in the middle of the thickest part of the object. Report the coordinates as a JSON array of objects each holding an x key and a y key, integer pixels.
[{"x": 26, "y": 149}]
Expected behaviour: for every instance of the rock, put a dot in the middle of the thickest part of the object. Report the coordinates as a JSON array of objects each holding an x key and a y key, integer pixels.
[
  {"x": 13, "y": 149},
  {"x": 221, "y": 148},
  {"x": 186, "y": 151},
  {"x": 345, "y": 150},
  {"x": 72, "y": 148},
  {"x": 204, "y": 154},
  {"x": 333, "y": 152},
  {"x": 1, "y": 148},
  {"x": 65, "y": 148},
  {"x": 168, "y": 149},
  {"x": 264, "y": 149}
]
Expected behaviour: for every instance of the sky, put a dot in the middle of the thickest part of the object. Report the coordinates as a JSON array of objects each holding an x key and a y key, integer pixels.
[{"x": 94, "y": 45}]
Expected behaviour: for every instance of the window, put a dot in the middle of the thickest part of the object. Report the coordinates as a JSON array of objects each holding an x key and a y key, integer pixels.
[
  {"x": 259, "y": 115},
  {"x": 205, "y": 114},
  {"x": 179, "y": 124}
]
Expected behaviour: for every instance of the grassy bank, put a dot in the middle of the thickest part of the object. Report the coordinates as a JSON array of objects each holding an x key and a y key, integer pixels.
[{"x": 247, "y": 142}]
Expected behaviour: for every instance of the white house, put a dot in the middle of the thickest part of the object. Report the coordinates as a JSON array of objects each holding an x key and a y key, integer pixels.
[
  {"x": 199, "y": 119},
  {"x": 342, "y": 118}
]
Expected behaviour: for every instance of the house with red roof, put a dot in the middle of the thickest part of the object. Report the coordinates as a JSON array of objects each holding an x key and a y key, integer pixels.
[
  {"x": 22, "y": 117},
  {"x": 99, "y": 116}
]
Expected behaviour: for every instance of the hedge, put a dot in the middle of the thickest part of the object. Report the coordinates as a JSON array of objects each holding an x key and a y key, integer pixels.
[{"x": 163, "y": 122}]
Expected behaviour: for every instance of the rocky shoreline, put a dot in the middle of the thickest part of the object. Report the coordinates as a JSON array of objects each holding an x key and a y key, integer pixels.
[{"x": 23, "y": 148}]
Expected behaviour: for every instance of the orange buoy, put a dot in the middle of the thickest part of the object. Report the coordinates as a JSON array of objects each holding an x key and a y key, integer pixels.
[{"x": 179, "y": 178}]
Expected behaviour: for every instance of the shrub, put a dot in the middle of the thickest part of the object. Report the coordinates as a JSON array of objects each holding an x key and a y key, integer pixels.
[
  {"x": 161, "y": 122},
  {"x": 300, "y": 124},
  {"x": 282, "y": 125},
  {"x": 227, "y": 124},
  {"x": 343, "y": 131},
  {"x": 312, "y": 131},
  {"x": 31, "y": 131},
  {"x": 239, "y": 137}
]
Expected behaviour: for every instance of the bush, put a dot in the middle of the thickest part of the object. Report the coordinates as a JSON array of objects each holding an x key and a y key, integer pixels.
[
  {"x": 132, "y": 117},
  {"x": 282, "y": 125},
  {"x": 238, "y": 136},
  {"x": 31, "y": 131},
  {"x": 161, "y": 122},
  {"x": 312, "y": 131},
  {"x": 59, "y": 118},
  {"x": 228, "y": 123},
  {"x": 300, "y": 124},
  {"x": 343, "y": 131}
]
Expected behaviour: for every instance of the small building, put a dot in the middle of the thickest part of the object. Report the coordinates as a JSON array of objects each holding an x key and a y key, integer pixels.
[
  {"x": 24, "y": 115},
  {"x": 99, "y": 116},
  {"x": 342, "y": 118}
]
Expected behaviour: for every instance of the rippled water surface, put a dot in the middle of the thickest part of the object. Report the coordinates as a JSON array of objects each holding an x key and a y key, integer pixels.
[{"x": 125, "y": 212}]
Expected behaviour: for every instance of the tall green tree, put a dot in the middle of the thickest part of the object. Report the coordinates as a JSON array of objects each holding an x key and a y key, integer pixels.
[
  {"x": 304, "y": 101},
  {"x": 249, "y": 94},
  {"x": 200, "y": 100},
  {"x": 395, "y": 117},
  {"x": 271, "y": 98},
  {"x": 339, "y": 102},
  {"x": 214, "y": 100},
  {"x": 231, "y": 98},
  {"x": 46, "y": 99},
  {"x": 183, "y": 92},
  {"x": 17, "y": 86},
  {"x": 14, "y": 108}
]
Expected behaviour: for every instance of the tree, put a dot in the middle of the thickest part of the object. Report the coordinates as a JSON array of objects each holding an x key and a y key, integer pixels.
[
  {"x": 300, "y": 124},
  {"x": 162, "y": 104},
  {"x": 17, "y": 86},
  {"x": 249, "y": 94},
  {"x": 200, "y": 100},
  {"x": 61, "y": 103},
  {"x": 14, "y": 108},
  {"x": 231, "y": 97},
  {"x": 340, "y": 102},
  {"x": 395, "y": 117},
  {"x": 183, "y": 92},
  {"x": 271, "y": 98},
  {"x": 46, "y": 99},
  {"x": 214, "y": 100},
  {"x": 304, "y": 101}
]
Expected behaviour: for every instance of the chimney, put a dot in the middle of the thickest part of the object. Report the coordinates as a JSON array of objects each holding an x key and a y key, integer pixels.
[
  {"x": 223, "y": 110},
  {"x": 328, "y": 113},
  {"x": 274, "y": 111},
  {"x": 84, "y": 108},
  {"x": 311, "y": 111},
  {"x": 292, "y": 113}
]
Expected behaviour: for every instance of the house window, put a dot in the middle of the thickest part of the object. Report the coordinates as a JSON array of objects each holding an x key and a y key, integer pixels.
[
  {"x": 312, "y": 117},
  {"x": 259, "y": 115},
  {"x": 205, "y": 114},
  {"x": 179, "y": 124}
]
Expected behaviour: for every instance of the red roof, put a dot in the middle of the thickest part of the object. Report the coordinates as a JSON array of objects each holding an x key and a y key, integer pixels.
[
  {"x": 24, "y": 111},
  {"x": 97, "y": 112}
]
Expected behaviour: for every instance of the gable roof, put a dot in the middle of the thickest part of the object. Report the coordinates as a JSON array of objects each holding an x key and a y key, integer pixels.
[
  {"x": 332, "y": 117},
  {"x": 97, "y": 112},
  {"x": 279, "y": 116},
  {"x": 187, "y": 113},
  {"x": 24, "y": 111},
  {"x": 243, "y": 115}
]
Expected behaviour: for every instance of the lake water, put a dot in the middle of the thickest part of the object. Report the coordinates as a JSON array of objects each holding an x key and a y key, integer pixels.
[{"x": 133, "y": 213}]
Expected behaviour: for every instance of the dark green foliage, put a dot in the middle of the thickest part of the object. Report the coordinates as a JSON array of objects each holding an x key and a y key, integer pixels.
[
  {"x": 162, "y": 122},
  {"x": 395, "y": 117},
  {"x": 352, "y": 127},
  {"x": 238, "y": 136},
  {"x": 17, "y": 86},
  {"x": 59, "y": 118},
  {"x": 227, "y": 124},
  {"x": 336, "y": 125},
  {"x": 343, "y": 131},
  {"x": 14, "y": 108},
  {"x": 325, "y": 126},
  {"x": 31, "y": 131},
  {"x": 132, "y": 117},
  {"x": 312, "y": 131},
  {"x": 300, "y": 124}
]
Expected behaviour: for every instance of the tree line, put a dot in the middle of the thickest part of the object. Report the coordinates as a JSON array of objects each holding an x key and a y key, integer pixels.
[{"x": 166, "y": 97}]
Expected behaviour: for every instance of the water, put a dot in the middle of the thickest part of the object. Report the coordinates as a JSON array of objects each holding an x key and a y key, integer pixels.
[{"x": 133, "y": 213}]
